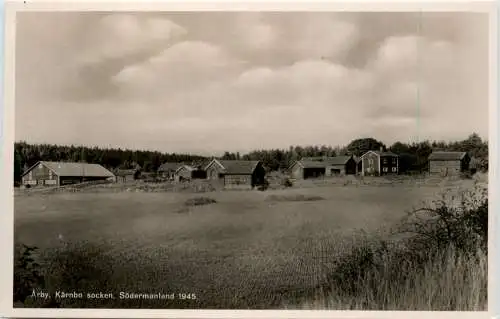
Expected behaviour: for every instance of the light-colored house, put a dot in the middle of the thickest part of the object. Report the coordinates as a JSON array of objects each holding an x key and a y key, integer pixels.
[{"x": 63, "y": 173}]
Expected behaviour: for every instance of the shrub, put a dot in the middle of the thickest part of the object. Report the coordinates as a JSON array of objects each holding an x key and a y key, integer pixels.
[
  {"x": 198, "y": 201},
  {"x": 27, "y": 273},
  {"x": 287, "y": 183},
  {"x": 294, "y": 198},
  {"x": 440, "y": 263}
]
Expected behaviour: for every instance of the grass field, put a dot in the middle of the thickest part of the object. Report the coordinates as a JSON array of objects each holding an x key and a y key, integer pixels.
[{"x": 249, "y": 249}]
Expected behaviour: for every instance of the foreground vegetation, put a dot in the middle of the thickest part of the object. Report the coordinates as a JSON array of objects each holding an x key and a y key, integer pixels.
[{"x": 291, "y": 248}]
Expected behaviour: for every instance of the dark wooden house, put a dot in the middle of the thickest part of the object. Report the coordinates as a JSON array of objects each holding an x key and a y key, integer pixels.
[
  {"x": 376, "y": 163},
  {"x": 188, "y": 172},
  {"x": 126, "y": 175},
  {"x": 448, "y": 163},
  {"x": 237, "y": 174},
  {"x": 323, "y": 166},
  {"x": 167, "y": 170},
  {"x": 63, "y": 173}
]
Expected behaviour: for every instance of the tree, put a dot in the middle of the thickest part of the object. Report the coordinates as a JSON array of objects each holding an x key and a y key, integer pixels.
[{"x": 362, "y": 145}]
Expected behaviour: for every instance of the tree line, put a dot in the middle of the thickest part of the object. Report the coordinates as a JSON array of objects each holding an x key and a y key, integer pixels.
[{"x": 413, "y": 156}]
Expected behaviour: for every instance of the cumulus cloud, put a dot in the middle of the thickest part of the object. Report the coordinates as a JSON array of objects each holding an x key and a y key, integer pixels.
[{"x": 270, "y": 80}]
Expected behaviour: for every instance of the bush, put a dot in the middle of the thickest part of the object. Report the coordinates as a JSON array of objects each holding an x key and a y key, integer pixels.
[
  {"x": 287, "y": 183},
  {"x": 439, "y": 264},
  {"x": 198, "y": 201},
  {"x": 294, "y": 198},
  {"x": 80, "y": 267},
  {"x": 27, "y": 273}
]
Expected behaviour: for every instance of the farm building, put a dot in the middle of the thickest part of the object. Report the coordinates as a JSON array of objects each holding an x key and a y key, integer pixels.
[
  {"x": 237, "y": 174},
  {"x": 448, "y": 163},
  {"x": 188, "y": 172},
  {"x": 167, "y": 170},
  {"x": 330, "y": 166},
  {"x": 126, "y": 175},
  {"x": 379, "y": 163},
  {"x": 62, "y": 173}
]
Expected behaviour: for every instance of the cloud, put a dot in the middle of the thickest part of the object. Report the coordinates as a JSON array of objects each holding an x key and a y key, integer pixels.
[
  {"x": 118, "y": 36},
  {"x": 242, "y": 81}
]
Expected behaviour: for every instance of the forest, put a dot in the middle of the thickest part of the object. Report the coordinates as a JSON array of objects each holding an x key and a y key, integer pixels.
[{"x": 413, "y": 156}]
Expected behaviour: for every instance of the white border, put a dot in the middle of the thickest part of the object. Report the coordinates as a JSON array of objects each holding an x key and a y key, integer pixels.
[{"x": 6, "y": 160}]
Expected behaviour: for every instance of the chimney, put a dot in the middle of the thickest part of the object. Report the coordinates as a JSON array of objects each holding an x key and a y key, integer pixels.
[{"x": 381, "y": 148}]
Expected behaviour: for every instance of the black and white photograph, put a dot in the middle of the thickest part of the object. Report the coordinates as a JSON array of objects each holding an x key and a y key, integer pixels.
[{"x": 251, "y": 160}]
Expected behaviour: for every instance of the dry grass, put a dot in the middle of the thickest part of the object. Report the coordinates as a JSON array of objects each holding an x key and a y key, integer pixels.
[
  {"x": 450, "y": 280},
  {"x": 241, "y": 252}
]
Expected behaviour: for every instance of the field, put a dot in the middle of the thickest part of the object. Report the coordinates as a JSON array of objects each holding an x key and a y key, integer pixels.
[{"x": 248, "y": 249}]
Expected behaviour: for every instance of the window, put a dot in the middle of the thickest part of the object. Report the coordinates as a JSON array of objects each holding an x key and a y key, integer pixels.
[
  {"x": 50, "y": 174},
  {"x": 385, "y": 169},
  {"x": 30, "y": 175},
  {"x": 394, "y": 161},
  {"x": 394, "y": 169},
  {"x": 385, "y": 160}
]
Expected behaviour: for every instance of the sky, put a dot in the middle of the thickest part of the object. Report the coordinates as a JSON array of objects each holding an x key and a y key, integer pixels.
[{"x": 208, "y": 82}]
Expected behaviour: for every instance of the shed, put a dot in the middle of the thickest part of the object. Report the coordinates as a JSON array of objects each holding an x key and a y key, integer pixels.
[
  {"x": 448, "y": 163},
  {"x": 167, "y": 170},
  {"x": 237, "y": 173},
  {"x": 327, "y": 166},
  {"x": 62, "y": 173},
  {"x": 188, "y": 172}
]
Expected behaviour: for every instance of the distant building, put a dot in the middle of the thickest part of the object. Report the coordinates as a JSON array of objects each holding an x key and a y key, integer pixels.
[
  {"x": 63, "y": 173},
  {"x": 448, "y": 163},
  {"x": 237, "y": 173},
  {"x": 326, "y": 166},
  {"x": 167, "y": 170},
  {"x": 188, "y": 172},
  {"x": 378, "y": 163},
  {"x": 126, "y": 175}
]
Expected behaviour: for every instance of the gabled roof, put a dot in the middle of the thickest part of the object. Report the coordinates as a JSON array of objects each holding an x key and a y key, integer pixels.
[
  {"x": 169, "y": 167},
  {"x": 188, "y": 167},
  {"x": 124, "y": 172},
  {"x": 74, "y": 169},
  {"x": 324, "y": 162},
  {"x": 380, "y": 153},
  {"x": 338, "y": 160},
  {"x": 236, "y": 167},
  {"x": 447, "y": 156}
]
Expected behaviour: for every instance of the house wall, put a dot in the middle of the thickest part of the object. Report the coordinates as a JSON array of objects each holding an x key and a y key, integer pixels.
[
  {"x": 297, "y": 172},
  {"x": 334, "y": 170},
  {"x": 213, "y": 171},
  {"x": 167, "y": 174},
  {"x": 370, "y": 164},
  {"x": 314, "y": 172},
  {"x": 445, "y": 168},
  {"x": 40, "y": 175},
  {"x": 389, "y": 165},
  {"x": 238, "y": 181},
  {"x": 67, "y": 180},
  {"x": 183, "y": 174}
]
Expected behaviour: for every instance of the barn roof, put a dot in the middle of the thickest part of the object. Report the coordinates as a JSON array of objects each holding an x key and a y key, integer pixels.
[
  {"x": 124, "y": 172},
  {"x": 381, "y": 153},
  {"x": 188, "y": 167},
  {"x": 338, "y": 160},
  {"x": 75, "y": 169},
  {"x": 329, "y": 161},
  {"x": 169, "y": 167},
  {"x": 447, "y": 156},
  {"x": 239, "y": 167}
]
